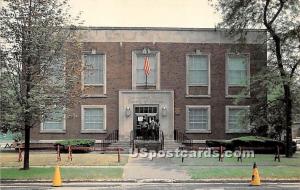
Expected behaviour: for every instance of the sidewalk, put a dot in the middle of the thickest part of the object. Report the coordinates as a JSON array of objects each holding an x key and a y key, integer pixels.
[{"x": 158, "y": 168}]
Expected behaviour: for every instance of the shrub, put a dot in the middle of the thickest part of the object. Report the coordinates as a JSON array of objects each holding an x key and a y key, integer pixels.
[
  {"x": 76, "y": 142},
  {"x": 17, "y": 136},
  {"x": 250, "y": 141},
  {"x": 217, "y": 143}
]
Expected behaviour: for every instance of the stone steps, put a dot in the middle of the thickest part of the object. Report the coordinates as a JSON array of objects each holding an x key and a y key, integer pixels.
[
  {"x": 124, "y": 145},
  {"x": 171, "y": 145}
]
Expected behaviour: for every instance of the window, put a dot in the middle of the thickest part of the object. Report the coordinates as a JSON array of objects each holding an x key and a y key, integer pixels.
[
  {"x": 198, "y": 70},
  {"x": 54, "y": 121},
  {"x": 296, "y": 118},
  {"x": 238, "y": 70},
  {"x": 198, "y": 118},
  {"x": 236, "y": 119},
  {"x": 197, "y": 75},
  {"x": 138, "y": 73},
  {"x": 56, "y": 71},
  {"x": 94, "y": 69},
  {"x": 93, "y": 118}
]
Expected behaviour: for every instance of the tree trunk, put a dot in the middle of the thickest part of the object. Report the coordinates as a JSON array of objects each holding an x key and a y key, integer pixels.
[
  {"x": 27, "y": 147},
  {"x": 288, "y": 116}
]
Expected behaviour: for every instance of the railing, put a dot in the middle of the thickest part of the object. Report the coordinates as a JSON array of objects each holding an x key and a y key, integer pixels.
[
  {"x": 110, "y": 138},
  {"x": 113, "y": 136},
  {"x": 161, "y": 139},
  {"x": 132, "y": 144},
  {"x": 181, "y": 137}
]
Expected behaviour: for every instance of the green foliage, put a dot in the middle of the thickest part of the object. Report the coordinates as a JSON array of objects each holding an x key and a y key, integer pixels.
[
  {"x": 39, "y": 50},
  {"x": 276, "y": 90},
  {"x": 76, "y": 142},
  {"x": 217, "y": 143},
  {"x": 248, "y": 141},
  {"x": 255, "y": 141},
  {"x": 18, "y": 136},
  {"x": 40, "y": 61}
]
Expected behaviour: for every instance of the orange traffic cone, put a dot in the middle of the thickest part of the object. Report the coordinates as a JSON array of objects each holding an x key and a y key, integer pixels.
[
  {"x": 255, "y": 176},
  {"x": 56, "y": 177}
]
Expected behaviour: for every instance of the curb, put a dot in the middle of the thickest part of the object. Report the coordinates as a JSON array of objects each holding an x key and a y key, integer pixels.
[{"x": 157, "y": 181}]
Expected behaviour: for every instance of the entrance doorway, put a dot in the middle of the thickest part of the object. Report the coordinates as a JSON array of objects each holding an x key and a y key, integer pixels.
[{"x": 143, "y": 116}]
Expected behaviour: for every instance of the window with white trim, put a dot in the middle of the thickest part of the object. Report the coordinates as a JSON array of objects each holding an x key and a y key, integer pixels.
[
  {"x": 56, "y": 71},
  {"x": 237, "y": 120},
  {"x": 198, "y": 74},
  {"x": 198, "y": 70},
  {"x": 94, "y": 69},
  {"x": 296, "y": 118},
  {"x": 54, "y": 121},
  {"x": 140, "y": 73},
  {"x": 198, "y": 118},
  {"x": 237, "y": 70},
  {"x": 93, "y": 118}
]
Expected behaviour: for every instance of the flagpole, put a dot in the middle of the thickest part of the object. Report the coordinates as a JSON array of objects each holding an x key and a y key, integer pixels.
[{"x": 146, "y": 82}]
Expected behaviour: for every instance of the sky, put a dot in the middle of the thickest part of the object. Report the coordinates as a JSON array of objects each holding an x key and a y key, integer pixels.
[{"x": 146, "y": 13}]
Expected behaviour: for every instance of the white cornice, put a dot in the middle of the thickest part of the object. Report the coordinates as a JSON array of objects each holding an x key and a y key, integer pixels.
[{"x": 166, "y": 35}]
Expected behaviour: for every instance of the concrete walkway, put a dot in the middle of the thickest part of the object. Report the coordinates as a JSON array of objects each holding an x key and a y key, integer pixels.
[{"x": 158, "y": 168}]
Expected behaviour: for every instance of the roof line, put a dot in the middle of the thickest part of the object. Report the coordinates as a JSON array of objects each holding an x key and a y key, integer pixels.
[{"x": 158, "y": 28}]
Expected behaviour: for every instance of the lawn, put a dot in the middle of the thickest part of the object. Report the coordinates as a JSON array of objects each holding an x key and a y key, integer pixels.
[
  {"x": 211, "y": 168},
  {"x": 49, "y": 159},
  {"x": 46, "y": 173}
]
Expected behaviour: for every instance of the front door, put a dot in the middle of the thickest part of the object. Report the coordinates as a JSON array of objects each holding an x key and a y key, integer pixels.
[{"x": 142, "y": 114}]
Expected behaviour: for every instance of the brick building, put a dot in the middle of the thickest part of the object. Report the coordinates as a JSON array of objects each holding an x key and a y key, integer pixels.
[{"x": 194, "y": 76}]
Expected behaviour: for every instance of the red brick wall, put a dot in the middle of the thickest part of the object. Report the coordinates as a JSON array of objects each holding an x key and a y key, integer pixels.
[{"x": 172, "y": 77}]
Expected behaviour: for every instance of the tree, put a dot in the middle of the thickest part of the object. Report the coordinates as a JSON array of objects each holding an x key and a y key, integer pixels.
[
  {"x": 40, "y": 62},
  {"x": 280, "y": 19},
  {"x": 267, "y": 116}
]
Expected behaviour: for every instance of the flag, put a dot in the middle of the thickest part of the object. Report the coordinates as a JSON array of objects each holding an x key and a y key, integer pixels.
[{"x": 147, "y": 68}]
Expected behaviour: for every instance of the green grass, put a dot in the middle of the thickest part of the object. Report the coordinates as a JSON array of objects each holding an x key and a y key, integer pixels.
[
  {"x": 266, "y": 172},
  {"x": 66, "y": 173},
  {"x": 211, "y": 168},
  {"x": 260, "y": 159}
]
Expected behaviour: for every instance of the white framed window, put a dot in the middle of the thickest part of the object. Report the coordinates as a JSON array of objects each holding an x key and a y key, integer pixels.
[
  {"x": 93, "y": 118},
  {"x": 57, "y": 71},
  {"x": 94, "y": 72},
  {"x": 296, "y": 118},
  {"x": 238, "y": 70},
  {"x": 198, "y": 119},
  {"x": 54, "y": 122},
  {"x": 138, "y": 73},
  {"x": 236, "y": 119},
  {"x": 198, "y": 72}
]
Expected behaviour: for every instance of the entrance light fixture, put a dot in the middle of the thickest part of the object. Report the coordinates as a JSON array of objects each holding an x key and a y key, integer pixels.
[
  {"x": 127, "y": 111},
  {"x": 164, "y": 111}
]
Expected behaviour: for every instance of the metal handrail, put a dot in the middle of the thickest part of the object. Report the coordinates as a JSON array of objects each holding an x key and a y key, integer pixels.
[
  {"x": 181, "y": 137},
  {"x": 131, "y": 142},
  {"x": 113, "y": 136},
  {"x": 162, "y": 139}
]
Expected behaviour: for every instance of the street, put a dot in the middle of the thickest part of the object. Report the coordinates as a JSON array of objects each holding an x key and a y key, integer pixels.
[{"x": 148, "y": 186}]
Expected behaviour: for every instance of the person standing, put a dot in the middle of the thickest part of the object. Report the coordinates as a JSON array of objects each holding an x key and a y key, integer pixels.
[
  {"x": 152, "y": 129},
  {"x": 155, "y": 129},
  {"x": 144, "y": 129}
]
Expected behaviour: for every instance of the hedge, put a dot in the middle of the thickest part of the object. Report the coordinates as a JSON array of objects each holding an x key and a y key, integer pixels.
[
  {"x": 249, "y": 141},
  {"x": 76, "y": 142}
]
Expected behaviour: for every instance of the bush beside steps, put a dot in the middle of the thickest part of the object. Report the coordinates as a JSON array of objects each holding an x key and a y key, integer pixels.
[{"x": 76, "y": 143}]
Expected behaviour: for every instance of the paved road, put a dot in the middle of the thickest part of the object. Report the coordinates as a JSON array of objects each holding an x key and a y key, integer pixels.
[
  {"x": 158, "y": 168},
  {"x": 150, "y": 186}
]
